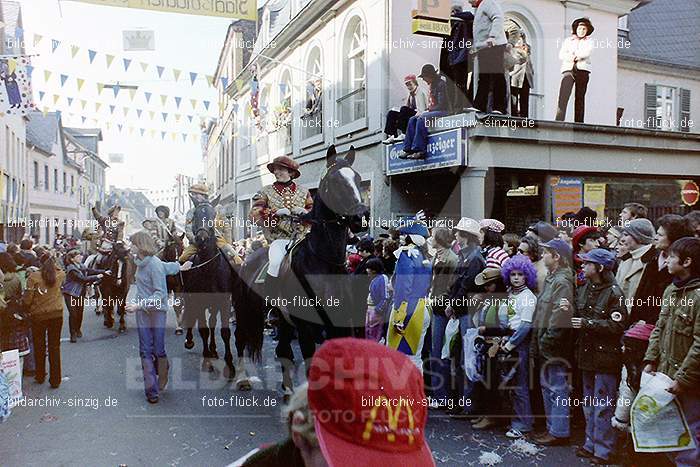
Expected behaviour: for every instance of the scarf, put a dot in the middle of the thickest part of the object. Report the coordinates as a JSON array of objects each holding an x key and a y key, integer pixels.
[
  {"x": 682, "y": 283},
  {"x": 517, "y": 290}
]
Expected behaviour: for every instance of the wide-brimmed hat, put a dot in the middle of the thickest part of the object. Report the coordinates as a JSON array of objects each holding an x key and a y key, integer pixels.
[
  {"x": 427, "y": 70},
  {"x": 469, "y": 226},
  {"x": 199, "y": 188},
  {"x": 487, "y": 275},
  {"x": 367, "y": 404},
  {"x": 286, "y": 162},
  {"x": 165, "y": 209},
  {"x": 492, "y": 224},
  {"x": 580, "y": 232},
  {"x": 586, "y": 22}
]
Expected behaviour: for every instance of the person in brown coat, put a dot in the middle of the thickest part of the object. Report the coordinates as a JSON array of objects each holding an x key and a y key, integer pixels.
[{"x": 44, "y": 301}]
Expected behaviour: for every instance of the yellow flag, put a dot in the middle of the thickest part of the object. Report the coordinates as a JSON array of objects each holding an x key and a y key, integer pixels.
[
  {"x": 110, "y": 59},
  {"x": 210, "y": 80},
  {"x": 173, "y": 136},
  {"x": 11, "y": 65},
  {"x": 107, "y": 124},
  {"x": 55, "y": 99},
  {"x": 126, "y": 111},
  {"x": 132, "y": 93},
  {"x": 177, "y": 118},
  {"x": 74, "y": 49},
  {"x": 163, "y": 99},
  {"x": 151, "y": 114},
  {"x": 100, "y": 87},
  {"x": 176, "y": 74},
  {"x": 80, "y": 83},
  {"x": 239, "y": 84},
  {"x": 47, "y": 75},
  {"x": 152, "y": 133},
  {"x": 37, "y": 39},
  {"x": 144, "y": 66},
  {"x": 45, "y": 111},
  {"x": 83, "y": 103},
  {"x": 194, "y": 104}
]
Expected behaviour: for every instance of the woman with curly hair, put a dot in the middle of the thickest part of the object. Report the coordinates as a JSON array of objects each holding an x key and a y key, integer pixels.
[{"x": 520, "y": 276}]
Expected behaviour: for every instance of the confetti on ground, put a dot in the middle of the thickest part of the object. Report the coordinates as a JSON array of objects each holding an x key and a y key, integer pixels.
[
  {"x": 489, "y": 458},
  {"x": 47, "y": 417},
  {"x": 522, "y": 446}
]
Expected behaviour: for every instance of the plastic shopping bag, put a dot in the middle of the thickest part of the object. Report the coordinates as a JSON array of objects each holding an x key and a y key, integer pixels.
[{"x": 451, "y": 331}]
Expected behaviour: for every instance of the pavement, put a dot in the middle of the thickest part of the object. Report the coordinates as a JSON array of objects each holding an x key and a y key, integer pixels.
[{"x": 99, "y": 416}]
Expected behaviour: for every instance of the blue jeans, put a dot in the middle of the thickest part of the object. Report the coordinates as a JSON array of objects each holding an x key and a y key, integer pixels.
[
  {"x": 151, "y": 326},
  {"x": 600, "y": 396},
  {"x": 439, "y": 368},
  {"x": 555, "y": 392},
  {"x": 520, "y": 395},
  {"x": 417, "y": 131},
  {"x": 691, "y": 409}
]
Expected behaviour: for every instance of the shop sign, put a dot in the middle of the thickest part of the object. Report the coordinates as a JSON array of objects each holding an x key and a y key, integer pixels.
[
  {"x": 567, "y": 195},
  {"x": 444, "y": 150},
  {"x": 594, "y": 198},
  {"x": 234, "y": 9},
  {"x": 690, "y": 193},
  {"x": 432, "y": 18}
]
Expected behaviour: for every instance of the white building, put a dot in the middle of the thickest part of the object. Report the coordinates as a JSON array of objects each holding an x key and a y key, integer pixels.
[
  {"x": 53, "y": 195},
  {"x": 362, "y": 49}
]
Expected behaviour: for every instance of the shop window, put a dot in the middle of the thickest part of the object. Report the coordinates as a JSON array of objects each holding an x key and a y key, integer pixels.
[
  {"x": 667, "y": 108},
  {"x": 352, "y": 103},
  {"x": 312, "y": 118}
]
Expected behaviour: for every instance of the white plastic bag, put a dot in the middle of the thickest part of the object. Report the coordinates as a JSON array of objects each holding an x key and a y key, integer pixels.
[{"x": 451, "y": 331}]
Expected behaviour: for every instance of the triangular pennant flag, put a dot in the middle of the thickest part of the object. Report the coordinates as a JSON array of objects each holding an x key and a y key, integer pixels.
[
  {"x": 11, "y": 65},
  {"x": 144, "y": 66},
  {"x": 110, "y": 59},
  {"x": 119, "y": 126},
  {"x": 55, "y": 99},
  {"x": 47, "y": 75},
  {"x": 142, "y": 130},
  {"x": 139, "y": 112},
  {"x": 45, "y": 111},
  {"x": 177, "y": 118},
  {"x": 206, "y": 104},
  {"x": 83, "y": 119},
  {"x": 83, "y": 103},
  {"x": 100, "y": 87},
  {"x": 189, "y": 117},
  {"x": 116, "y": 88},
  {"x": 30, "y": 70},
  {"x": 70, "y": 101},
  {"x": 160, "y": 71},
  {"x": 37, "y": 39},
  {"x": 151, "y": 114},
  {"x": 239, "y": 84},
  {"x": 126, "y": 111},
  {"x": 184, "y": 137},
  {"x": 98, "y": 106},
  {"x": 80, "y": 83},
  {"x": 132, "y": 94},
  {"x": 177, "y": 101},
  {"x": 176, "y": 74},
  {"x": 162, "y": 135},
  {"x": 41, "y": 95},
  {"x": 54, "y": 45},
  {"x": 127, "y": 62},
  {"x": 148, "y": 96},
  {"x": 224, "y": 82},
  {"x": 165, "y": 116},
  {"x": 173, "y": 136},
  {"x": 111, "y": 108},
  {"x": 131, "y": 129},
  {"x": 194, "y": 104},
  {"x": 210, "y": 80},
  {"x": 163, "y": 99},
  {"x": 74, "y": 49},
  {"x": 92, "y": 54},
  {"x": 152, "y": 133},
  {"x": 193, "y": 77},
  {"x": 108, "y": 125},
  {"x": 64, "y": 78}
]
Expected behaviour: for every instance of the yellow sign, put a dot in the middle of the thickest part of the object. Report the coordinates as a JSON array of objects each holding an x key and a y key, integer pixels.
[
  {"x": 236, "y": 9},
  {"x": 594, "y": 197},
  {"x": 429, "y": 27}
]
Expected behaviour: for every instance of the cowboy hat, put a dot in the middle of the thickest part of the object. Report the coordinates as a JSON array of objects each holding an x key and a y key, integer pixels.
[
  {"x": 286, "y": 162},
  {"x": 586, "y": 22},
  {"x": 199, "y": 188},
  {"x": 469, "y": 226},
  {"x": 427, "y": 70},
  {"x": 165, "y": 209},
  {"x": 487, "y": 275}
]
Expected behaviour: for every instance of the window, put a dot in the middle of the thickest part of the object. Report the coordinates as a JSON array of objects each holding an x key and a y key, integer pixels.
[
  {"x": 65, "y": 182},
  {"x": 46, "y": 177},
  {"x": 667, "y": 108},
  {"x": 623, "y": 30},
  {"x": 261, "y": 139},
  {"x": 55, "y": 180},
  {"x": 36, "y": 175},
  {"x": 352, "y": 104},
  {"x": 282, "y": 118},
  {"x": 312, "y": 118},
  {"x": 72, "y": 185}
]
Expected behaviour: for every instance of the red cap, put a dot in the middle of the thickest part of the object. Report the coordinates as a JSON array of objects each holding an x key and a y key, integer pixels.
[
  {"x": 579, "y": 233},
  {"x": 408, "y": 78},
  {"x": 368, "y": 404}
]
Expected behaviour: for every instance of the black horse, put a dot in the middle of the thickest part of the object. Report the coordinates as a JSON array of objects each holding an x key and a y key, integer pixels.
[
  {"x": 316, "y": 290},
  {"x": 115, "y": 286}
]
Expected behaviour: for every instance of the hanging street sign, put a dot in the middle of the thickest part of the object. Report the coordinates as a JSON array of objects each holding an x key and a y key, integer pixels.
[{"x": 234, "y": 9}]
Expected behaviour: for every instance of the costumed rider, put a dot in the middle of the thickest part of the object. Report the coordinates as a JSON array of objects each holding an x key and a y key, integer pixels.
[
  {"x": 199, "y": 193},
  {"x": 271, "y": 206},
  {"x": 112, "y": 227},
  {"x": 162, "y": 229}
]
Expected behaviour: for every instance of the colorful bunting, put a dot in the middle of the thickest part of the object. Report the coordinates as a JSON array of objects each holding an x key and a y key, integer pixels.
[
  {"x": 74, "y": 49},
  {"x": 163, "y": 99},
  {"x": 54, "y": 45},
  {"x": 64, "y": 78},
  {"x": 165, "y": 116},
  {"x": 139, "y": 112},
  {"x": 176, "y": 74},
  {"x": 81, "y": 82},
  {"x": 206, "y": 104},
  {"x": 144, "y": 66},
  {"x": 47, "y": 76},
  {"x": 111, "y": 109},
  {"x": 109, "y": 58},
  {"x": 98, "y": 106},
  {"x": 148, "y": 97},
  {"x": 116, "y": 88},
  {"x": 83, "y": 103},
  {"x": 193, "y": 77},
  {"x": 127, "y": 62},
  {"x": 160, "y": 71},
  {"x": 41, "y": 95},
  {"x": 224, "y": 82},
  {"x": 126, "y": 111},
  {"x": 37, "y": 39},
  {"x": 70, "y": 101},
  {"x": 55, "y": 99},
  {"x": 92, "y": 54},
  {"x": 100, "y": 87},
  {"x": 132, "y": 94},
  {"x": 177, "y": 101}
]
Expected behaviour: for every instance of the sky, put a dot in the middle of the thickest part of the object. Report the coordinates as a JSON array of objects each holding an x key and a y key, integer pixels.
[{"x": 183, "y": 42}]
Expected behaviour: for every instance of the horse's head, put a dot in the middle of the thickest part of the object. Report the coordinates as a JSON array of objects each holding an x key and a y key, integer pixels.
[
  {"x": 203, "y": 220},
  {"x": 339, "y": 189}
]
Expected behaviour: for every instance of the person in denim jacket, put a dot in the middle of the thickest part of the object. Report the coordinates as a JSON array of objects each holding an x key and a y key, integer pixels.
[{"x": 77, "y": 277}]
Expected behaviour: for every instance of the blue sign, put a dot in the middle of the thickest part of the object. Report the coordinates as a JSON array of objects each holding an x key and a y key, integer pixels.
[{"x": 444, "y": 150}]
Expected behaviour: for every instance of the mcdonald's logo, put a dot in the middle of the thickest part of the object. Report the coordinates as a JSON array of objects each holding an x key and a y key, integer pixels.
[{"x": 393, "y": 413}]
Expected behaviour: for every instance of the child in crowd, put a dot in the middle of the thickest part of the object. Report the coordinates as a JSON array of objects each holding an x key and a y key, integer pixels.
[
  {"x": 521, "y": 276},
  {"x": 673, "y": 345},
  {"x": 600, "y": 318},
  {"x": 378, "y": 300}
]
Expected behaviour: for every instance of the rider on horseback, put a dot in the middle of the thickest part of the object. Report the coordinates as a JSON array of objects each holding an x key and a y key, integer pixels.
[
  {"x": 162, "y": 229},
  {"x": 199, "y": 193},
  {"x": 112, "y": 227},
  {"x": 273, "y": 203}
]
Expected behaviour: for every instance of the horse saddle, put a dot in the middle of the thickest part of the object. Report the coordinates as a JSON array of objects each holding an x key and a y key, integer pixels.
[{"x": 285, "y": 266}]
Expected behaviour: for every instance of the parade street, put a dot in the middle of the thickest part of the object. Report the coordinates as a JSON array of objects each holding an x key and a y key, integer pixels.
[{"x": 99, "y": 417}]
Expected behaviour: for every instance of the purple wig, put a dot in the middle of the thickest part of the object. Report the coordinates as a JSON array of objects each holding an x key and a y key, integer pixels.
[{"x": 523, "y": 264}]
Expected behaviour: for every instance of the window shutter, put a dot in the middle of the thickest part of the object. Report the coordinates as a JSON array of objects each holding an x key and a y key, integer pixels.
[
  {"x": 684, "y": 116},
  {"x": 650, "y": 106}
]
